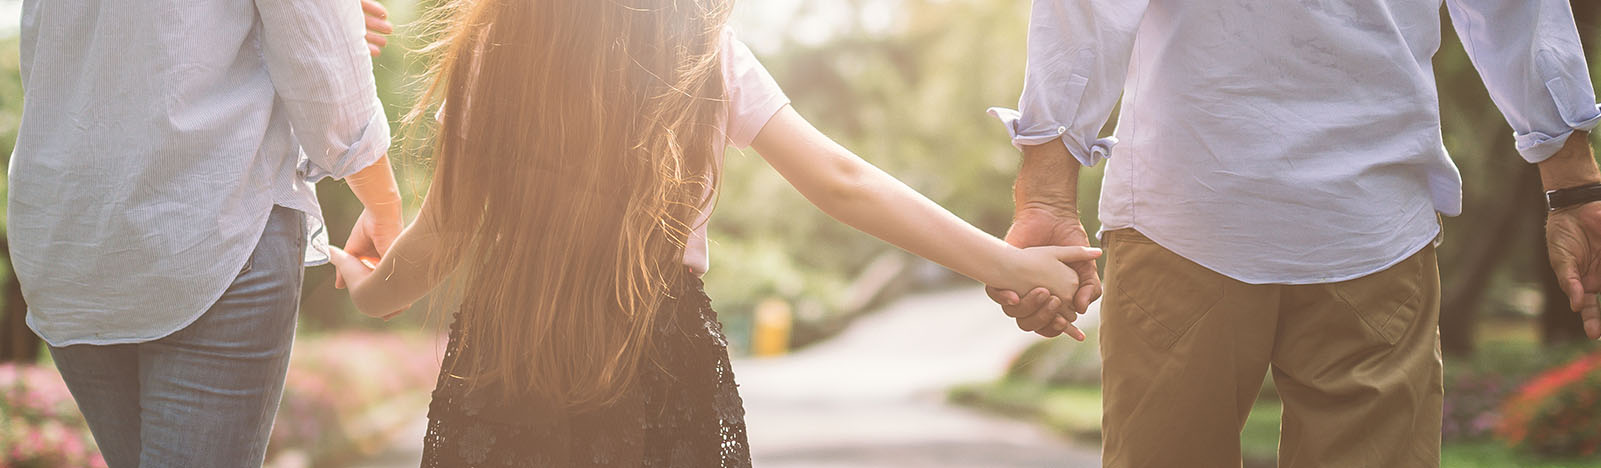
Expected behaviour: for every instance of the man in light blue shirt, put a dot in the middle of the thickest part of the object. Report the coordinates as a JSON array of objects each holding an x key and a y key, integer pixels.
[
  {"x": 162, "y": 208},
  {"x": 1271, "y": 201}
]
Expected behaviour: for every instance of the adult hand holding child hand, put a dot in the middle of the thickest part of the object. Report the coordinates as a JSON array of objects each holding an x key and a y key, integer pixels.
[
  {"x": 1038, "y": 310},
  {"x": 356, "y": 271},
  {"x": 1048, "y": 273},
  {"x": 1046, "y": 213}
]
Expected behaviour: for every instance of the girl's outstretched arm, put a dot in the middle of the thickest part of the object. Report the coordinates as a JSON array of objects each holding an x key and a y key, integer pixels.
[
  {"x": 406, "y": 274},
  {"x": 855, "y": 192}
]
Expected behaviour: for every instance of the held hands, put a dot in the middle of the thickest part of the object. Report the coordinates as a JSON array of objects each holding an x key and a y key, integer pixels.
[
  {"x": 371, "y": 238},
  {"x": 356, "y": 271},
  {"x": 377, "y": 25},
  {"x": 1039, "y": 310},
  {"x": 1049, "y": 268},
  {"x": 1573, "y": 237},
  {"x": 375, "y": 231}
]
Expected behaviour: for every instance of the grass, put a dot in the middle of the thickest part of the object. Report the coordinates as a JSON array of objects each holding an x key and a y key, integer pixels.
[
  {"x": 1071, "y": 410},
  {"x": 1076, "y": 412},
  {"x": 1495, "y": 455}
]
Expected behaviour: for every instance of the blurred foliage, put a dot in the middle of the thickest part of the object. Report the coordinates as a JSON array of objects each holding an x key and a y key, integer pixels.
[
  {"x": 1558, "y": 412},
  {"x": 346, "y": 392},
  {"x": 40, "y": 425},
  {"x": 911, "y": 101},
  {"x": 10, "y": 114}
]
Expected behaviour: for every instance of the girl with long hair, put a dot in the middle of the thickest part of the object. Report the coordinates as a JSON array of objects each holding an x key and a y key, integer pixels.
[{"x": 578, "y": 150}]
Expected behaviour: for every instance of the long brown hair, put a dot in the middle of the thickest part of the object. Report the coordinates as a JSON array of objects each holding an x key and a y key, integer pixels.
[{"x": 573, "y": 153}]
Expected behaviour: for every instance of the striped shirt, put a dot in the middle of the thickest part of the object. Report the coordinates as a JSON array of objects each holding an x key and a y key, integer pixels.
[{"x": 156, "y": 137}]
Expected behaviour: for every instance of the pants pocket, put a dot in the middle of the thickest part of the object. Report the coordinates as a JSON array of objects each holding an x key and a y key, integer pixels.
[
  {"x": 1389, "y": 301},
  {"x": 1163, "y": 295}
]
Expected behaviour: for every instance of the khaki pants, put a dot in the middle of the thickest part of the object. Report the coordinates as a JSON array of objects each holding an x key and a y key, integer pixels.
[{"x": 1357, "y": 363}]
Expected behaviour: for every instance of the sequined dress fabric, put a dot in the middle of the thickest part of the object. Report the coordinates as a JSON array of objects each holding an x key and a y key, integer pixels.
[{"x": 685, "y": 410}]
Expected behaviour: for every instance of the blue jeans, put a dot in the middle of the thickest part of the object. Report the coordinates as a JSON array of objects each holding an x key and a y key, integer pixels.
[{"x": 204, "y": 396}]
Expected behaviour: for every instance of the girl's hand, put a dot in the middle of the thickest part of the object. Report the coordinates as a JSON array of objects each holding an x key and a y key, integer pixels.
[
  {"x": 1047, "y": 267},
  {"x": 356, "y": 271}
]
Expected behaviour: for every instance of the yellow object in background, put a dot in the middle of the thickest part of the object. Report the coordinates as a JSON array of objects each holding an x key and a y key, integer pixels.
[{"x": 774, "y": 320}]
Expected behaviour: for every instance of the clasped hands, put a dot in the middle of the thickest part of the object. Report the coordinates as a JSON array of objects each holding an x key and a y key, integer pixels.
[{"x": 1037, "y": 310}]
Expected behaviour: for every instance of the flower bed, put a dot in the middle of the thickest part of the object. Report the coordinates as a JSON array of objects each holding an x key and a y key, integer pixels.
[
  {"x": 1558, "y": 412},
  {"x": 40, "y": 426},
  {"x": 1473, "y": 404},
  {"x": 335, "y": 385},
  {"x": 335, "y": 381}
]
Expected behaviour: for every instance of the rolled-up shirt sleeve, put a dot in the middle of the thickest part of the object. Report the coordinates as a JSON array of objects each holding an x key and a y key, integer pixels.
[
  {"x": 1528, "y": 53},
  {"x": 321, "y": 70},
  {"x": 1078, "y": 56}
]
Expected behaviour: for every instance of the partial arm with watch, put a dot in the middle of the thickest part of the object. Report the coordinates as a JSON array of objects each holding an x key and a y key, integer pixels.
[
  {"x": 1573, "y": 228},
  {"x": 1529, "y": 55},
  {"x": 1571, "y": 176}
]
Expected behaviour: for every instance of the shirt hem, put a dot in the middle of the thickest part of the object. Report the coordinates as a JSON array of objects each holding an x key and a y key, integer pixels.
[
  {"x": 1413, "y": 249},
  {"x": 181, "y": 325}
]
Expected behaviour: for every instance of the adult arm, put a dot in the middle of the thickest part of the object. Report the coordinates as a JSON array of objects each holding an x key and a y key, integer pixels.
[
  {"x": 1529, "y": 55},
  {"x": 1078, "y": 57},
  {"x": 1573, "y": 235},
  {"x": 320, "y": 66}
]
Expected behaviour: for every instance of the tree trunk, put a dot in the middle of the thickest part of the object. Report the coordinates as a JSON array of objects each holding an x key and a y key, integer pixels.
[
  {"x": 1461, "y": 300},
  {"x": 1588, "y": 14},
  {"x": 17, "y": 341}
]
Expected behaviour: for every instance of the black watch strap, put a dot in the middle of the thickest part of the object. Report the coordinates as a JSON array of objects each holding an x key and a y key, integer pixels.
[{"x": 1572, "y": 196}]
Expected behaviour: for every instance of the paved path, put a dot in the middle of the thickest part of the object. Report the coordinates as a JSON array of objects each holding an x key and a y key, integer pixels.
[{"x": 874, "y": 396}]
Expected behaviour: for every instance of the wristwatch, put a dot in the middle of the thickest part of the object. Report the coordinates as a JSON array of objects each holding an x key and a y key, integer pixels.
[{"x": 1572, "y": 196}]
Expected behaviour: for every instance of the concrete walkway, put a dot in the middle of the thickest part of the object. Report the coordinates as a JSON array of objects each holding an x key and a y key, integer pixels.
[{"x": 874, "y": 396}]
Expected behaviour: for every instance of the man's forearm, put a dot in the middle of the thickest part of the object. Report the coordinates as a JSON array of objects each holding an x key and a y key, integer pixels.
[
  {"x": 376, "y": 188},
  {"x": 1572, "y": 166},
  {"x": 1048, "y": 180}
]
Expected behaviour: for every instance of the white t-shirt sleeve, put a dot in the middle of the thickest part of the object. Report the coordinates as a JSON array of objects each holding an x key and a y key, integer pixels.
[{"x": 753, "y": 96}]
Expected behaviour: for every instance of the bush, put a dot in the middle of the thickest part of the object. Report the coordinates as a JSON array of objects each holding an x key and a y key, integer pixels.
[
  {"x": 1477, "y": 388},
  {"x": 335, "y": 385},
  {"x": 1472, "y": 407},
  {"x": 40, "y": 426},
  {"x": 335, "y": 381},
  {"x": 1558, "y": 412}
]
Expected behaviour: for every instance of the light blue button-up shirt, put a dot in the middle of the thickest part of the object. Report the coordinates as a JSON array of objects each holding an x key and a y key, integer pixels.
[
  {"x": 156, "y": 136},
  {"x": 1288, "y": 141}
]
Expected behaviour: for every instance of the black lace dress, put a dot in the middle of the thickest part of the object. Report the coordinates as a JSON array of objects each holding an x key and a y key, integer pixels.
[{"x": 685, "y": 412}]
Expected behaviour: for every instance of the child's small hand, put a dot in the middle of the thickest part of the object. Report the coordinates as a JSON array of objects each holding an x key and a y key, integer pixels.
[
  {"x": 1046, "y": 268},
  {"x": 355, "y": 271}
]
